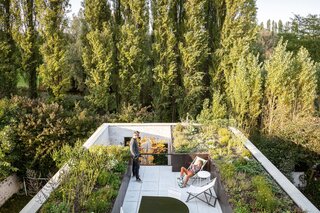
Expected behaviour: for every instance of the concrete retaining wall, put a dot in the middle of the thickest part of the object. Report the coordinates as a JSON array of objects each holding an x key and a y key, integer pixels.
[
  {"x": 118, "y": 131},
  {"x": 9, "y": 187}
]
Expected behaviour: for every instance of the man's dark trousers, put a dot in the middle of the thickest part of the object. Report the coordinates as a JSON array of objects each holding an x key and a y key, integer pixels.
[{"x": 135, "y": 167}]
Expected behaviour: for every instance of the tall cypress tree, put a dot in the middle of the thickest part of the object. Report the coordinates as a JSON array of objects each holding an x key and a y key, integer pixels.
[
  {"x": 8, "y": 51},
  {"x": 305, "y": 85},
  {"x": 245, "y": 92},
  {"x": 54, "y": 72},
  {"x": 165, "y": 71},
  {"x": 98, "y": 55},
  {"x": 278, "y": 86},
  {"x": 194, "y": 52},
  {"x": 28, "y": 39},
  {"x": 134, "y": 73},
  {"x": 239, "y": 31},
  {"x": 76, "y": 44}
]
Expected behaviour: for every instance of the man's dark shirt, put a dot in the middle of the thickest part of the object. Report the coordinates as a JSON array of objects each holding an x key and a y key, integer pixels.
[{"x": 134, "y": 149}]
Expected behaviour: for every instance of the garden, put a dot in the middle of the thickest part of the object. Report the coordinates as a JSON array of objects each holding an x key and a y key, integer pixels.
[
  {"x": 248, "y": 186},
  {"x": 93, "y": 180}
]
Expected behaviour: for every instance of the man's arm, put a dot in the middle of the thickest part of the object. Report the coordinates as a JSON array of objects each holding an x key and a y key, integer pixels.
[{"x": 131, "y": 147}]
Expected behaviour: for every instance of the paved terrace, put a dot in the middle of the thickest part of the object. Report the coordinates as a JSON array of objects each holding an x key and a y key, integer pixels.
[{"x": 161, "y": 181}]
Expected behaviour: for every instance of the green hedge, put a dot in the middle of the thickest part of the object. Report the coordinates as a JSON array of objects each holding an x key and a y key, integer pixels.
[
  {"x": 31, "y": 130},
  {"x": 93, "y": 181}
]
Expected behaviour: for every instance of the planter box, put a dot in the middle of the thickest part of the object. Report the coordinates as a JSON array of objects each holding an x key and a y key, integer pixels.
[
  {"x": 9, "y": 187},
  {"x": 122, "y": 190}
]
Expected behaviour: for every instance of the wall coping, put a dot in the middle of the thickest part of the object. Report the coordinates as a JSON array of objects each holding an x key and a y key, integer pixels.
[
  {"x": 282, "y": 180},
  {"x": 9, "y": 187}
]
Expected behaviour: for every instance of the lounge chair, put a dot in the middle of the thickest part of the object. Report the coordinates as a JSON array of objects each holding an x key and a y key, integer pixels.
[
  {"x": 195, "y": 177},
  {"x": 207, "y": 190}
]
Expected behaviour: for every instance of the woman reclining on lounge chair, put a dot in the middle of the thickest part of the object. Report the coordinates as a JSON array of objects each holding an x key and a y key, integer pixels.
[{"x": 191, "y": 171}]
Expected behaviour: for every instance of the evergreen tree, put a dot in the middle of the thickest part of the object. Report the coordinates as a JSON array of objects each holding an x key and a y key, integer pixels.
[
  {"x": 194, "y": 53},
  {"x": 9, "y": 54},
  {"x": 274, "y": 27},
  {"x": 269, "y": 25},
  {"x": 217, "y": 109},
  {"x": 28, "y": 39},
  {"x": 134, "y": 74},
  {"x": 280, "y": 26},
  {"x": 305, "y": 85},
  {"x": 98, "y": 55},
  {"x": 239, "y": 31},
  {"x": 76, "y": 43},
  {"x": 165, "y": 71},
  {"x": 278, "y": 86},
  {"x": 245, "y": 93},
  {"x": 54, "y": 71}
]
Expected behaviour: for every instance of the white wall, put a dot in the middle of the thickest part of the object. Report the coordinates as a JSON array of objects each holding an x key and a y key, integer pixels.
[
  {"x": 117, "y": 132},
  {"x": 8, "y": 187}
]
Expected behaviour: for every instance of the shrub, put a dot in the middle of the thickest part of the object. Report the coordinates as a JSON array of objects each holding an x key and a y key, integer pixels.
[
  {"x": 7, "y": 155},
  {"x": 246, "y": 153},
  {"x": 133, "y": 114},
  {"x": 263, "y": 194},
  {"x": 224, "y": 132},
  {"x": 38, "y": 129},
  {"x": 99, "y": 201},
  {"x": 88, "y": 171},
  {"x": 56, "y": 208},
  {"x": 102, "y": 178}
]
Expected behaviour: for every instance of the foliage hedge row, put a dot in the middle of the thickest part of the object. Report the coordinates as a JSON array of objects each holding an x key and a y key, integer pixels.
[
  {"x": 32, "y": 129},
  {"x": 93, "y": 180}
]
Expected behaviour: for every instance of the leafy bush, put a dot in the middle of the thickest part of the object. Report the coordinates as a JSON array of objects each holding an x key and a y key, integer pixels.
[
  {"x": 99, "y": 201},
  {"x": 38, "y": 128},
  {"x": 102, "y": 178},
  {"x": 263, "y": 193},
  {"x": 58, "y": 208},
  {"x": 93, "y": 179},
  {"x": 7, "y": 155},
  {"x": 187, "y": 140},
  {"x": 133, "y": 114}
]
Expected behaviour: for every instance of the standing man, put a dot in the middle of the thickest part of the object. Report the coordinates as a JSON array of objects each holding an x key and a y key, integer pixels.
[{"x": 134, "y": 150}]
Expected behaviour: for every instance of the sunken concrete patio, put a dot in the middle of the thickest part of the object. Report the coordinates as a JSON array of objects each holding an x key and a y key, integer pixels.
[{"x": 161, "y": 181}]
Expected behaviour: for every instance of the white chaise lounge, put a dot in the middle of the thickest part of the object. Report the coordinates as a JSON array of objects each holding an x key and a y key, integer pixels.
[{"x": 207, "y": 190}]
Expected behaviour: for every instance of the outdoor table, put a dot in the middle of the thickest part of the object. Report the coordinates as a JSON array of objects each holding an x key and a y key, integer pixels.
[
  {"x": 155, "y": 204},
  {"x": 203, "y": 175}
]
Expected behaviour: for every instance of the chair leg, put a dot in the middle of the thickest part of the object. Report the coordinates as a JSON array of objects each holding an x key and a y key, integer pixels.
[{"x": 188, "y": 198}]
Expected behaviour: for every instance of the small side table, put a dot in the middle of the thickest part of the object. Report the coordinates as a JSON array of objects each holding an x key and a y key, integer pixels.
[{"x": 204, "y": 175}]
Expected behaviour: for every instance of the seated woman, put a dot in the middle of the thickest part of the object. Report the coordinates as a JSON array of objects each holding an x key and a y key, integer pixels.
[{"x": 191, "y": 171}]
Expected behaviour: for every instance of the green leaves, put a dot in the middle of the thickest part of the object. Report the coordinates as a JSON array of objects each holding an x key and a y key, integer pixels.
[
  {"x": 245, "y": 92},
  {"x": 165, "y": 71},
  {"x": 99, "y": 64},
  {"x": 194, "y": 53},
  {"x": 290, "y": 86},
  {"x": 54, "y": 71},
  {"x": 93, "y": 178}
]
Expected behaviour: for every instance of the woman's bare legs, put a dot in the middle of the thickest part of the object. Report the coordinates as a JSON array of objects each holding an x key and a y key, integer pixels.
[
  {"x": 189, "y": 175},
  {"x": 183, "y": 171}
]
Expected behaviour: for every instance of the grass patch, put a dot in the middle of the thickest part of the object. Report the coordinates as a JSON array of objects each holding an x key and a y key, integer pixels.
[{"x": 15, "y": 203}]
